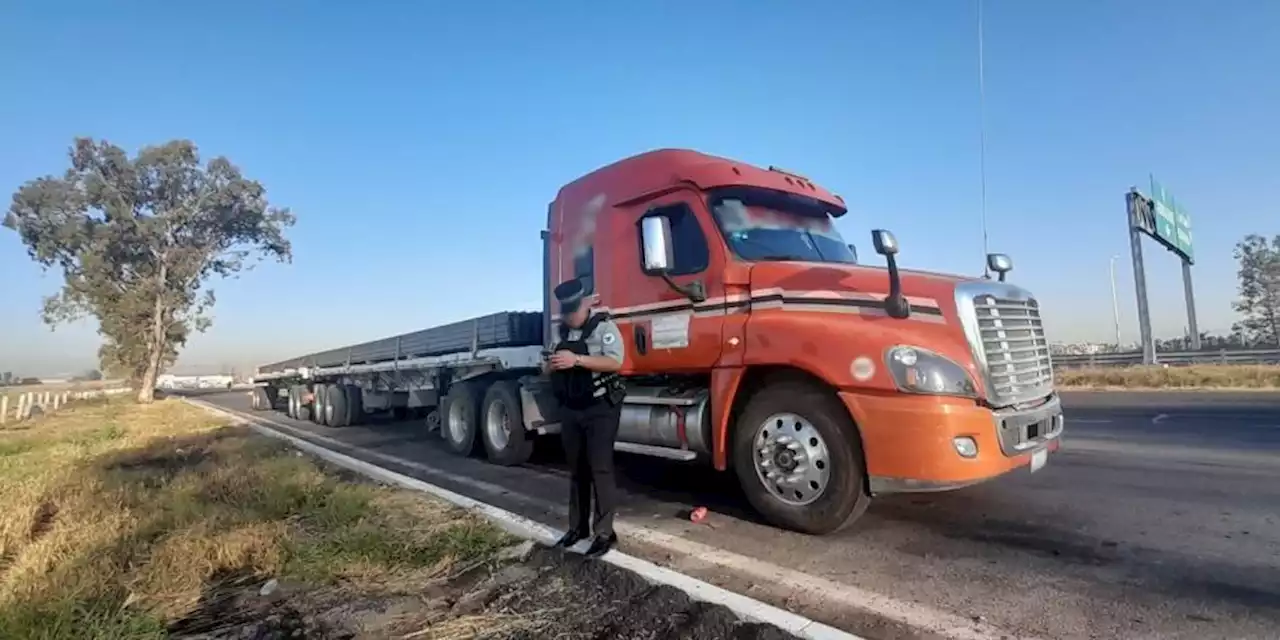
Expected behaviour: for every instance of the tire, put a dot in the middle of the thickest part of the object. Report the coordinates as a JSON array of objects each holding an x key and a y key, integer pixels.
[
  {"x": 292, "y": 409},
  {"x": 803, "y": 410},
  {"x": 318, "y": 400},
  {"x": 336, "y": 411},
  {"x": 459, "y": 425},
  {"x": 355, "y": 403},
  {"x": 261, "y": 399},
  {"x": 302, "y": 410},
  {"x": 511, "y": 444}
]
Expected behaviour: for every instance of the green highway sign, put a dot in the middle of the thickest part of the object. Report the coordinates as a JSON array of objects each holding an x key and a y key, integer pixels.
[{"x": 1173, "y": 223}]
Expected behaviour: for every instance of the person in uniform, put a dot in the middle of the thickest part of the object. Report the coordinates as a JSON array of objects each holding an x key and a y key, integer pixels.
[{"x": 583, "y": 367}]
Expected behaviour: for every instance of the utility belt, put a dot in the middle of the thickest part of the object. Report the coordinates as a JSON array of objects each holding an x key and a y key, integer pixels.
[{"x": 608, "y": 390}]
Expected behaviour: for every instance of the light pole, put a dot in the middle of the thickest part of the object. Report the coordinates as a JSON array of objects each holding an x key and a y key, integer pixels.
[{"x": 1115, "y": 300}]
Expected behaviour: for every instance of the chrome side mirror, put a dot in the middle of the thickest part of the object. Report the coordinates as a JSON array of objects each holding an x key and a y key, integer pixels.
[
  {"x": 655, "y": 235},
  {"x": 885, "y": 243},
  {"x": 999, "y": 263}
]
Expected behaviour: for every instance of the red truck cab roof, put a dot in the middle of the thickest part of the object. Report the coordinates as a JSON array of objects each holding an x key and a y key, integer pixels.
[{"x": 652, "y": 173}]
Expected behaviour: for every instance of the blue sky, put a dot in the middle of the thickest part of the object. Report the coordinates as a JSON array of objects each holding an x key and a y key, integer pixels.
[{"x": 419, "y": 142}]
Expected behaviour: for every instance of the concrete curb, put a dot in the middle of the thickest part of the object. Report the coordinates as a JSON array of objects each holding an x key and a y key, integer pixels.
[{"x": 746, "y": 608}]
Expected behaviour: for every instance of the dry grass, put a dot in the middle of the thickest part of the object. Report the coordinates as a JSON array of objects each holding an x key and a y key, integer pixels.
[
  {"x": 1159, "y": 377},
  {"x": 117, "y": 520}
]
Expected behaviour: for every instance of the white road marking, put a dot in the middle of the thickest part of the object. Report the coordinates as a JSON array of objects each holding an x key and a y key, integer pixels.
[
  {"x": 1137, "y": 449},
  {"x": 695, "y": 553},
  {"x": 744, "y": 607},
  {"x": 1159, "y": 418},
  {"x": 1071, "y": 421}
]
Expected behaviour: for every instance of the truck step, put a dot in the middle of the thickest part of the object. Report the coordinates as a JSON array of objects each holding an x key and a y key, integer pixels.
[{"x": 682, "y": 455}]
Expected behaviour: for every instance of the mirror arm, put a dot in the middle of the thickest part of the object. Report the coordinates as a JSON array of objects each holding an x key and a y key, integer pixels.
[
  {"x": 692, "y": 291},
  {"x": 895, "y": 304}
]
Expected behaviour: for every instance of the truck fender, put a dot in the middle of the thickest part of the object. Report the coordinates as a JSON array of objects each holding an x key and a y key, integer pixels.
[{"x": 725, "y": 382}]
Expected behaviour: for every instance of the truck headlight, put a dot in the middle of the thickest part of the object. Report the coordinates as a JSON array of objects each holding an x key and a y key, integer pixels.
[{"x": 917, "y": 370}]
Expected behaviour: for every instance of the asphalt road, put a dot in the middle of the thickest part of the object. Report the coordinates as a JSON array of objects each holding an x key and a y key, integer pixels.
[{"x": 1159, "y": 518}]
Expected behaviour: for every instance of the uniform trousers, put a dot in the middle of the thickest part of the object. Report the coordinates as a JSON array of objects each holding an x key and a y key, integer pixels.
[{"x": 588, "y": 436}]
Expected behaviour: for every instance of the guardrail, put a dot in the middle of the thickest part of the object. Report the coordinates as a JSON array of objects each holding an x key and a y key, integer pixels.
[
  {"x": 1172, "y": 358},
  {"x": 28, "y": 404}
]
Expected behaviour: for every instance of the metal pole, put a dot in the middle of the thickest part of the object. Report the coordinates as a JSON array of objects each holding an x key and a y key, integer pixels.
[
  {"x": 1191, "y": 306},
  {"x": 1115, "y": 301},
  {"x": 1140, "y": 279}
]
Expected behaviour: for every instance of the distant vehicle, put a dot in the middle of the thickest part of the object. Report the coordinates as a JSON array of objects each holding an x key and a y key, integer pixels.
[{"x": 755, "y": 342}]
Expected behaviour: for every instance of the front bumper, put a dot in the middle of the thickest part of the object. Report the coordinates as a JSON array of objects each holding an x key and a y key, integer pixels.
[{"x": 909, "y": 440}]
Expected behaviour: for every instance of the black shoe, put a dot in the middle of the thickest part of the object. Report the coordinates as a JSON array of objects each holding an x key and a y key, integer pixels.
[
  {"x": 601, "y": 545},
  {"x": 570, "y": 538}
]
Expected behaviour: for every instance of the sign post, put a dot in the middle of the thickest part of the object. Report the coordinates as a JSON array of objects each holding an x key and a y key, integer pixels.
[{"x": 1165, "y": 221}]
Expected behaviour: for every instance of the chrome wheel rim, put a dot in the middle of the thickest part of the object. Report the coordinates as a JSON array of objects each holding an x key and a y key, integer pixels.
[
  {"x": 457, "y": 423},
  {"x": 497, "y": 425},
  {"x": 791, "y": 459}
]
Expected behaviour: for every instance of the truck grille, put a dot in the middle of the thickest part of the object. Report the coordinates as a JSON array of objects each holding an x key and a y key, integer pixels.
[{"x": 1013, "y": 342}]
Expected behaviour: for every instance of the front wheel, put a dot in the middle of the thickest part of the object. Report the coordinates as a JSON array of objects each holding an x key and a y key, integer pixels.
[{"x": 799, "y": 458}]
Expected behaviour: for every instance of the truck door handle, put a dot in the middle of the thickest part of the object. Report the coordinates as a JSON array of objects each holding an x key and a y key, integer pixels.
[{"x": 642, "y": 339}]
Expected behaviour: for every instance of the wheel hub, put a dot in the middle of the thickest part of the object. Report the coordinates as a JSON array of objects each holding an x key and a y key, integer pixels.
[{"x": 791, "y": 459}]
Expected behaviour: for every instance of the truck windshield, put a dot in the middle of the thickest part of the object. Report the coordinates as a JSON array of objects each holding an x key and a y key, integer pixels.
[{"x": 764, "y": 224}]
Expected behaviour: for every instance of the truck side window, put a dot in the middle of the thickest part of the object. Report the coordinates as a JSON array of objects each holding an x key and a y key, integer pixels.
[
  {"x": 688, "y": 243},
  {"x": 584, "y": 269}
]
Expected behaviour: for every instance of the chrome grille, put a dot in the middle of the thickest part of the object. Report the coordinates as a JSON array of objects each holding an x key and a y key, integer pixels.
[{"x": 1014, "y": 346}]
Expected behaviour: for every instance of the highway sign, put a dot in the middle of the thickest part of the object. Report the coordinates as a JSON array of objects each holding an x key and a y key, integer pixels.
[{"x": 1173, "y": 223}]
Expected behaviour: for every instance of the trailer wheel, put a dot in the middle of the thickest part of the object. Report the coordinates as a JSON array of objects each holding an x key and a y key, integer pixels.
[
  {"x": 303, "y": 410},
  {"x": 336, "y": 411},
  {"x": 505, "y": 439},
  {"x": 292, "y": 409},
  {"x": 261, "y": 400},
  {"x": 318, "y": 401},
  {"x": 458, "y": 423},
  {"x": 798, "y": 457},
  {"x": 355, "y": 403}
]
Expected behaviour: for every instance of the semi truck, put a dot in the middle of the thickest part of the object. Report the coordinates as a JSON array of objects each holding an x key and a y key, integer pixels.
[{"x": 756, "y": 342}]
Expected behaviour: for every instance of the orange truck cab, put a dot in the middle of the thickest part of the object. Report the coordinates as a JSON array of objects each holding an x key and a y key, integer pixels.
[
  {"x": 754, "y": 334},
  {"x": 755, "y": 342}
]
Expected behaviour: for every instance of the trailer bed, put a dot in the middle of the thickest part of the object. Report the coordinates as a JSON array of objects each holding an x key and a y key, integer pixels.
[{"x": 493, "y": 331}]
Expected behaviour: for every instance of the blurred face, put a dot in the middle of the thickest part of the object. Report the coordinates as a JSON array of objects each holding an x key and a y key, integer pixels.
[{"x": 577, "y": 317}]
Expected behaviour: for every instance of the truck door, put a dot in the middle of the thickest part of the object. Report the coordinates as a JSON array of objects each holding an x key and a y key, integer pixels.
[{"x": 667, "y": 332}]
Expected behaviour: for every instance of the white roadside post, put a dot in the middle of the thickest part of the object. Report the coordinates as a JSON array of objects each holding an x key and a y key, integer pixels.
[{"x": 4, "y": 409}]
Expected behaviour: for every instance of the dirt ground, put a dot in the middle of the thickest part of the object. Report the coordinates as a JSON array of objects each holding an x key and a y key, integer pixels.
[{"x": 535, "y": 593}]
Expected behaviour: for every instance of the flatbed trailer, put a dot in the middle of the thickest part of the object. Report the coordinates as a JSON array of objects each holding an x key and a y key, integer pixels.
[{"x": 755, "y": 343}]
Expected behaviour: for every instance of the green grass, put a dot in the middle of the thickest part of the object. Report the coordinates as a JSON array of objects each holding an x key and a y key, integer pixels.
[{"x": 116, "y": 518}]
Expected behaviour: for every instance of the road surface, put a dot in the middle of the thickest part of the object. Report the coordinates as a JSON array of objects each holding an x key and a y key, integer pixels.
[{"x": 1159, "y": 518}]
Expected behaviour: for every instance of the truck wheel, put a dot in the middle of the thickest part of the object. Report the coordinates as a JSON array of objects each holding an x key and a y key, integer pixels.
[
  {"x": 458, "y": 422},
  {"x": 336, "y": 411},
  {"x": 303, "y": 409},
  {"x": 318, "y": 401},
  {"x": 505, "y": 439},
  {"x": 799, "y": 458},
  {"x": 355, "y": 403},
  {"x": 292, "y": 409},
  {"x": 261, "y": 399}
]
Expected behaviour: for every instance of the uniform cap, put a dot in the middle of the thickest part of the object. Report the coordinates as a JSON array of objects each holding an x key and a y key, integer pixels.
[{"x": 570, "y": 295}]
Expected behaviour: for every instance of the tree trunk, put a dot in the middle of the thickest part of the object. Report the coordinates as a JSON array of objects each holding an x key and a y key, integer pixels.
[{"x": 155, "y": 345}]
